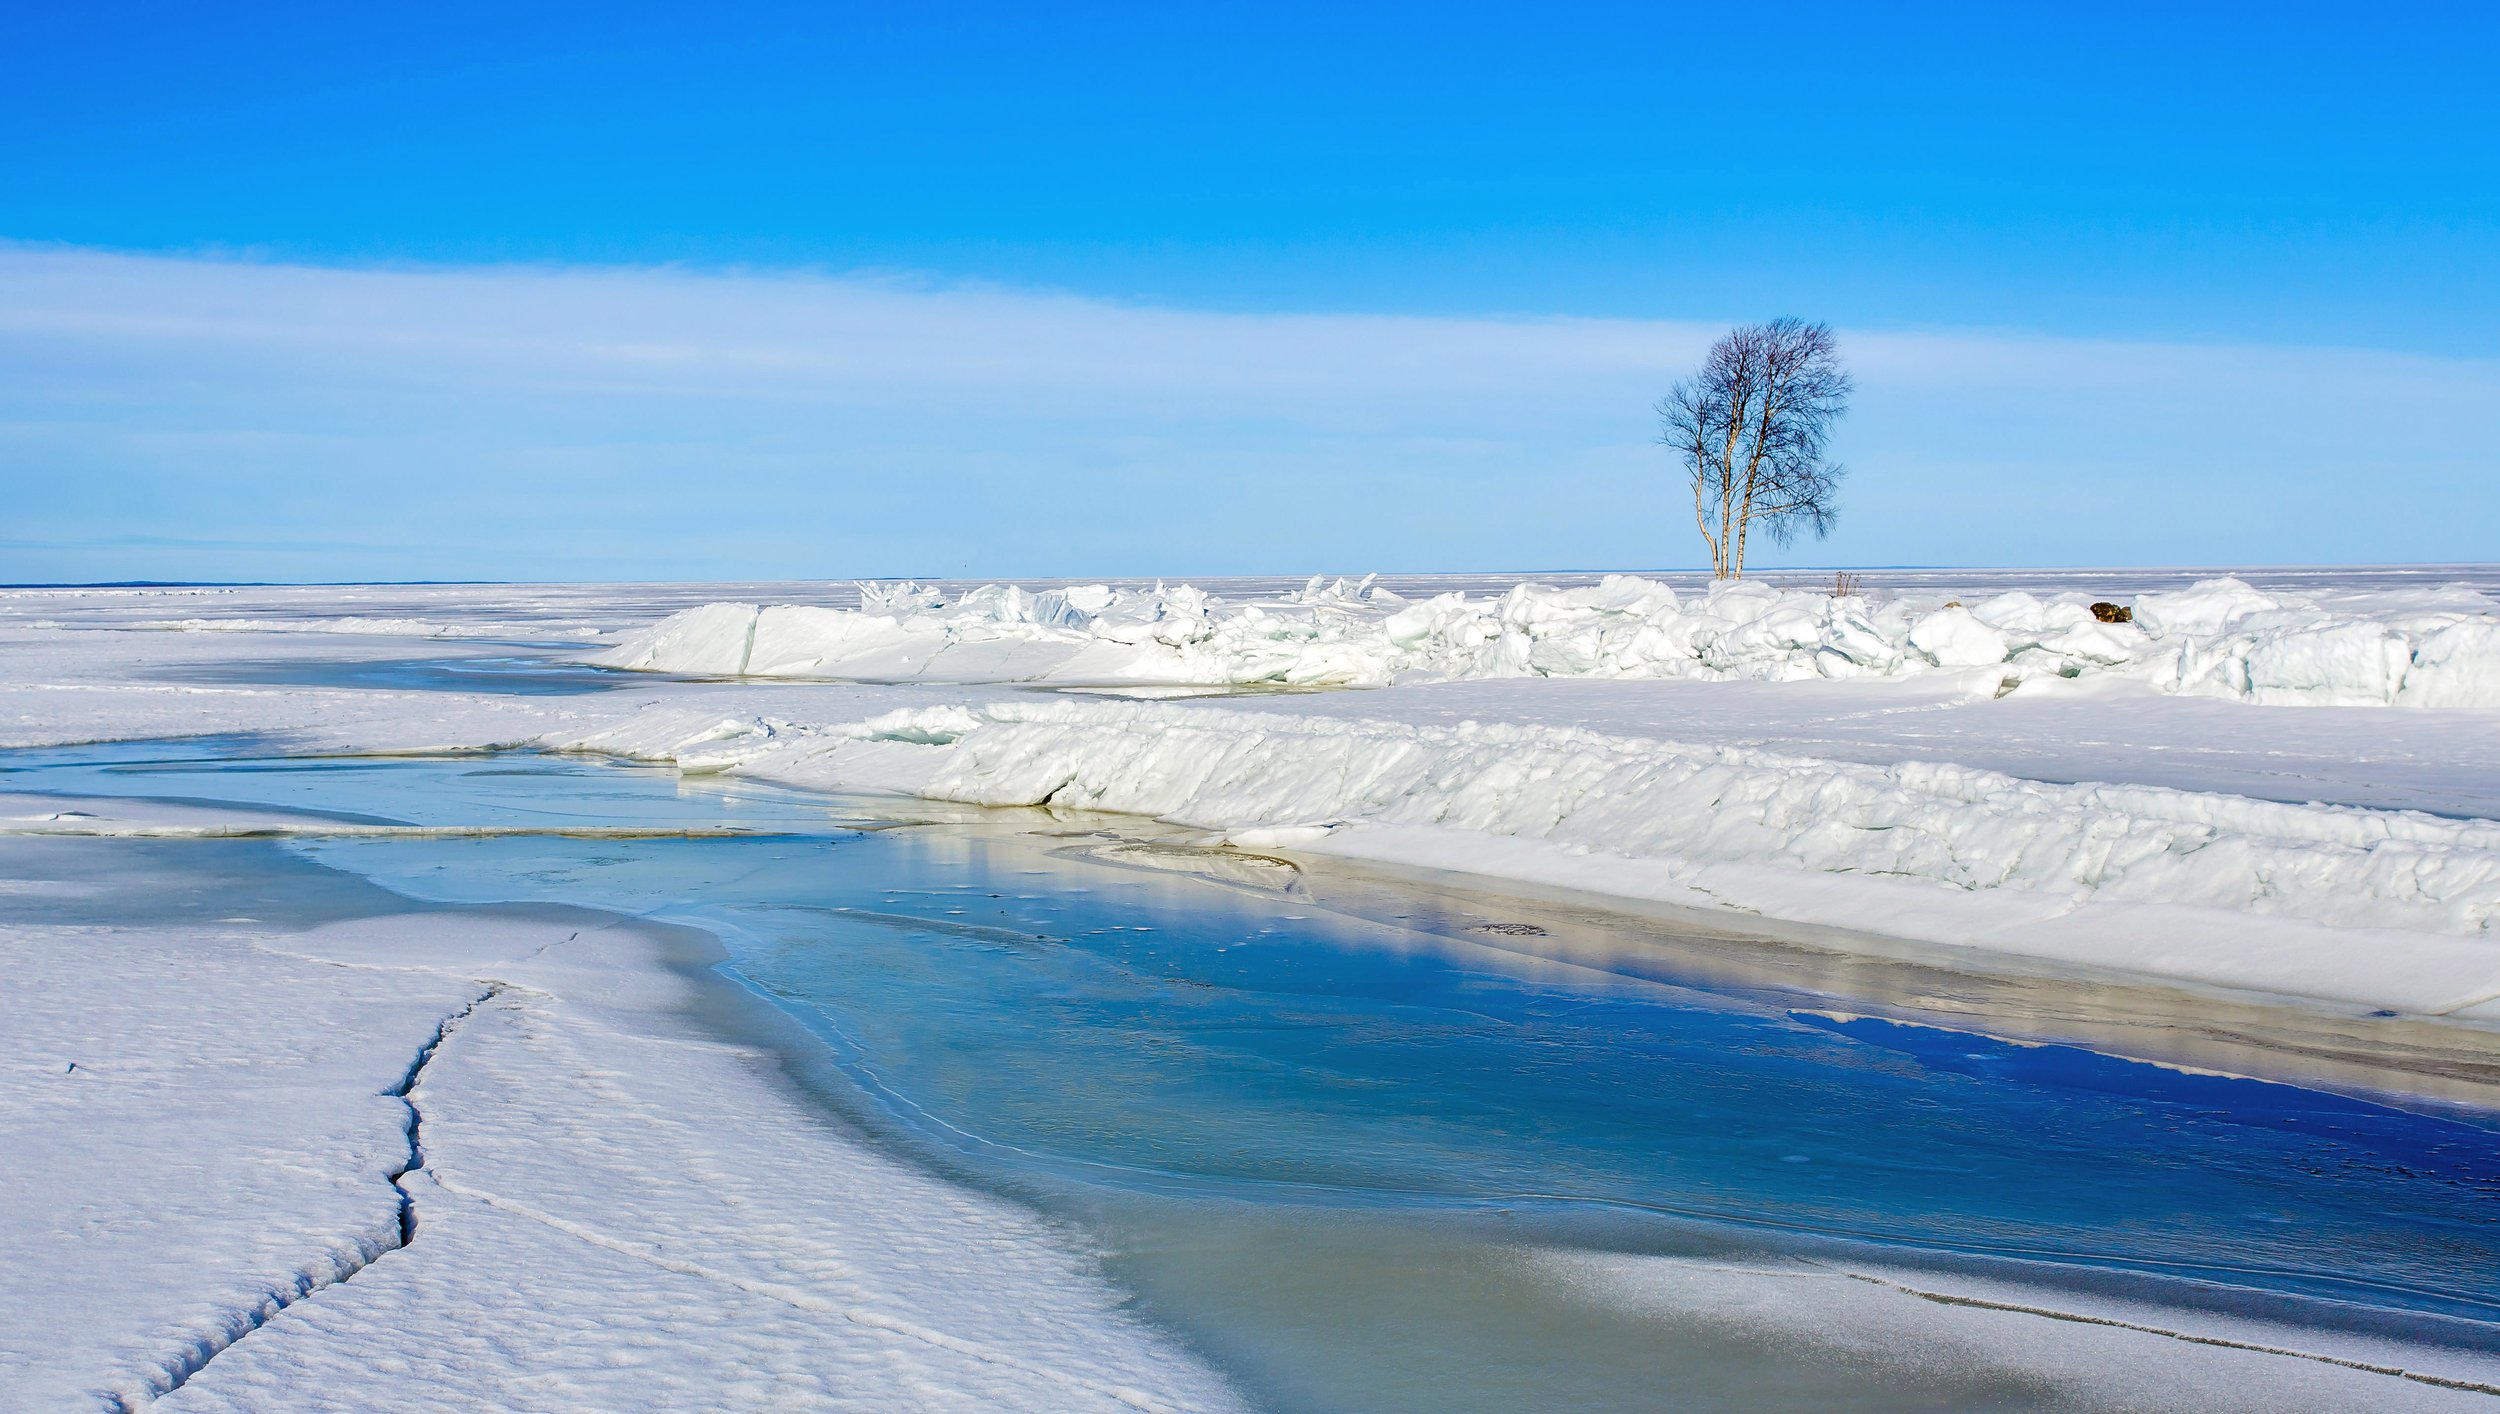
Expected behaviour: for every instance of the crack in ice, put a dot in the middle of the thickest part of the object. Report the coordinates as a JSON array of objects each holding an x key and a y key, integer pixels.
[
  {"x": 306, "y": 1283},
  {"x": 404, "y": 1092},
  {"x": 1942, "y": 1298}
]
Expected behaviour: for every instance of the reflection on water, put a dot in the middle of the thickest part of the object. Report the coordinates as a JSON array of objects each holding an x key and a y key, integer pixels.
[{"x": 1248, "y": 1074}]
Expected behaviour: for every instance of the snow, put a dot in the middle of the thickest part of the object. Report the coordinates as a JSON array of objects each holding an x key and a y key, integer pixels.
[
  {"x": 50, "y": 815},
  {"x": 1951, "y": 637},
  {"x": 2102, "y": 1354},
  {"x": 200, "y": 1126},
  {"x": 172, "y": 1175},
  {"x": 2433, "y": 648}
]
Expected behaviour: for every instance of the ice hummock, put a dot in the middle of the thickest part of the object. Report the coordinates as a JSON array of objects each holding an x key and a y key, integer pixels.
[{"x": 2217, "y": 638}]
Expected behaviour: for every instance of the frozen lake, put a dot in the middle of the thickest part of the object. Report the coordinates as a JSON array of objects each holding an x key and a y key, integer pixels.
[{"x": 1370, "y": 1142}]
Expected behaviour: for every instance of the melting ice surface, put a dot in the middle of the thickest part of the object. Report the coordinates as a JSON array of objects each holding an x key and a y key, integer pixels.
[
  {"x": 1238, "y": 1086},
  {"x": 525, "y": 676}
]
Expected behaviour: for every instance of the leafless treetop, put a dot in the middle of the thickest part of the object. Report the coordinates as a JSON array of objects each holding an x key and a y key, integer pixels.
[{"x": 1752, "y": 429}]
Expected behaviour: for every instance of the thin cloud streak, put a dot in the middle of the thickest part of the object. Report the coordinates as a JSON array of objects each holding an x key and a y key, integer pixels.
[{"x": 612, "y": 421}]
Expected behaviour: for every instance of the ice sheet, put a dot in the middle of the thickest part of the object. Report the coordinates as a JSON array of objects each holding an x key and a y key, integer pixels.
[
  {"x": 606, "y": 1203},
  {"x": 2429, "y": 647}
]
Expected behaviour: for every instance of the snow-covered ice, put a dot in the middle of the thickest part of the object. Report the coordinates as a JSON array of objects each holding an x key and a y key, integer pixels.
[
  {"x": 205, "y": 1149},
  {"x": 2425, "y": 647}
]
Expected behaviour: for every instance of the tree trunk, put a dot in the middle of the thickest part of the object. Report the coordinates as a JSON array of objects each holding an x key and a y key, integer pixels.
[
  {"x": 1701, "y": 517},
  {"x": 1727, "y": 490},
  {"x": 1753, "y": 476}
]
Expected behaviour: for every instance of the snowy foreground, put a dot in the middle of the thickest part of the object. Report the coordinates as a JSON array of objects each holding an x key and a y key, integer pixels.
[
  {"x": 2296, "y": 796},
  {"x": 239, "y": 1117}
]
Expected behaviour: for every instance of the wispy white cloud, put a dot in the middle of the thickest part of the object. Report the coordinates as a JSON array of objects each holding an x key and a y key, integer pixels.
[
  {"x": 795, "y": 337},
  {"x": 666, "y": 422}
]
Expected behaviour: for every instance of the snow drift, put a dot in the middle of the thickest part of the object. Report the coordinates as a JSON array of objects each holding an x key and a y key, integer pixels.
[
  {"x": 2387, "y": 907},
  {"x": 2220, "y": 638}
]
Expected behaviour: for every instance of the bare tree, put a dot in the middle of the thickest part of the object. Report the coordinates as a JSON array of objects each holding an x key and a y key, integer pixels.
[{"x": 1751, "y": 429}]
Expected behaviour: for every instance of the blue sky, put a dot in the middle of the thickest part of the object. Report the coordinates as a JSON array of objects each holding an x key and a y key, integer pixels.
[{"x": 2137, "y": 284}]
